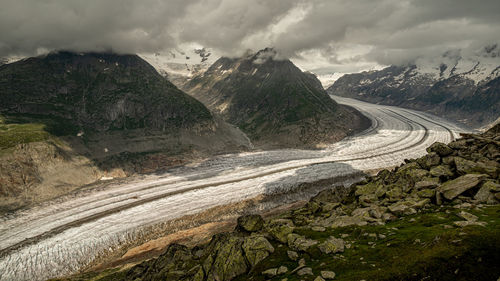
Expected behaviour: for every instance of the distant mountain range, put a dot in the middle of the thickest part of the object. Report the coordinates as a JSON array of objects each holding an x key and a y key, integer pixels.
[
  {"x": 273, "y": 101},
  {"x": 462, "y": 89}
]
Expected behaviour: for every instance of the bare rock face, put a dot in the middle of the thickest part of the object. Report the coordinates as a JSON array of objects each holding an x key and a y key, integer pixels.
[{"x": 273, "y": 101}]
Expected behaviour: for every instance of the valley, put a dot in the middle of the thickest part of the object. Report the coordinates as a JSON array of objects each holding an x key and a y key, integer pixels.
[{"x": 67, "y": 234}]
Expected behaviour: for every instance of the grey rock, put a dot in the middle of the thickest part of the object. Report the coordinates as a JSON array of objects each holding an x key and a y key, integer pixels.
[
  {"x": 256, "y": 249},
  {"x": 332, "y": 245},
  {"x": 451, "y": 189},
  {"x": 292, "y": 255},
  {"x": 327, "y": 274},
  {"x": 305, "y": 271},
  {"x": 270, "y": 272},
  {"x": 441, "y": 171},
  {"x": 440, "y": 148}
]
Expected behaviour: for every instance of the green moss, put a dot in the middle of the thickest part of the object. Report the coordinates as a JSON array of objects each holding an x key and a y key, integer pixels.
[
  {"x": 14, "y": 134},
  {"x": 412, "y": 248}
]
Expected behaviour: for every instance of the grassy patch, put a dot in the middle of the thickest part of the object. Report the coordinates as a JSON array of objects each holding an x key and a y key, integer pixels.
[
  {"x": 418, "y": 247},
  {"x": 14, "y": 134}
]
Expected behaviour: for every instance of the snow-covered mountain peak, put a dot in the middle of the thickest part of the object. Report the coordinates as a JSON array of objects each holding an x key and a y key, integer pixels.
[{"x": 480, "y": 66}]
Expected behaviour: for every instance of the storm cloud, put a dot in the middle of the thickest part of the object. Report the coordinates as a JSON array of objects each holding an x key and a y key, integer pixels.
[{"x": 344, "y": 33}]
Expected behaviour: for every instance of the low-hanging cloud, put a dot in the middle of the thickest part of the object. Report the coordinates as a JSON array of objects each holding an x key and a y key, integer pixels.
[{"x": 338, "y": 32}]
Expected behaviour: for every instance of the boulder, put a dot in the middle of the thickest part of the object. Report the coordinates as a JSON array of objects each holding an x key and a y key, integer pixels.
[
  {"x": 279, "y": 229},
  {"x": 417, "y": 174},
  {"x": 430, "y": 160},
  {"x": 426, "y": 184},
  {"x": 300, "y": 243},
  {"x": 343, "y": 221},
  {"x": 292, "y": 255},
  {"x": 305, "y": 271},
  {"x": 440, "y": 148},
  {"x": 367, "y": 189},
  {"x": 442, "y": 171},
  {"x": 226, "y": 259},
  {"x": 485, "y": 193},
  {"x": 256, "y": 249},
  {"x": 394, "y": 193},
  {"x": 453, "y": 188},
  {"x": 250, "y": 223},
  {"x": 402, "y": 208},
  {"x": 467, "y": 216},
  {"x": 332, "y": 245},
  {"x": 270, "y": 272},
  {"x": 328, "y": 274},
  {"x": 282, "y": 270},
  {"x": 426, "y": 193},
  {"x": 464, "y": 166}
]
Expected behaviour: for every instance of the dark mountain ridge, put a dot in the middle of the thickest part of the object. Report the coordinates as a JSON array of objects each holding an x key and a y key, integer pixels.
[
  {"x": 96, "y": 93},
  {"x": 273, "y": 101}
]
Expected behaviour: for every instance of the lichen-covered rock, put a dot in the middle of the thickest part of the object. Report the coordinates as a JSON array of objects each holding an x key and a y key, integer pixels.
[
  {"x": 343, "y": 221},
  {"x": 402, "y": 208},
  {"x": 485, "y": 193},
  {"x": 226, "y": 259},
  {"x": 430, "y": 160},
  {"x": 442, "y": 171},
  {"x": 417, "y": 174},
  {"x": 467, "y": 216},
  {"x": 300, "y": 243},
  {"x": 327, "y": 274},
  {"x": 250, "y": 223},
  {"x": 426, "y": 193},
  {"x": 280, "y": 228},
  {"x": 270, "y": 272},
  {"x": 282, "y": 270},
  {"x": 425, "y": 184},
  {"x": 292, "y": 255},
  {"x": 366, "y": 189},
  {"x": 256, "y": 249},
  {"x": 305, "y": 271},
  {"x": 453, "y": 188},
  {"x": 332, "y": 245},
  {"x": 440, "y": 148},
  {"x": 464, "y": 166}
]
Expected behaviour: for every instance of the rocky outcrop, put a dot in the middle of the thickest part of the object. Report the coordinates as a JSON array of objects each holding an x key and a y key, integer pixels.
[{"x": 273, "y": 101}]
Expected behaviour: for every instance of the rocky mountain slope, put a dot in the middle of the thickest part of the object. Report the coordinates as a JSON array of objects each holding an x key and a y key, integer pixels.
[
  {"x": 94, "y": 113},
  {"x": 273, "y": 101},
  {"x": 459, "y": 88},
  {"x": 432, "y": 218}
]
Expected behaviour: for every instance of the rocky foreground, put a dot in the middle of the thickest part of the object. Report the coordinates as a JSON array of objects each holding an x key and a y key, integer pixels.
[{"x": 432, "y": 218}]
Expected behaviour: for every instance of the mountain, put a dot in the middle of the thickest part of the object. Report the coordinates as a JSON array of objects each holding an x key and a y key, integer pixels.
[
  {"x": 455, "y": 87},
  {"x": 97, "y": 93},
  {"x": 273, "y": 101},
  {"x": 69, "y": 119}
]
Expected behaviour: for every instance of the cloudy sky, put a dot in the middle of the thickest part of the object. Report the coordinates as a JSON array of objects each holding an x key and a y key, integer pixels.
[{"x": 321, "y": 35}]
